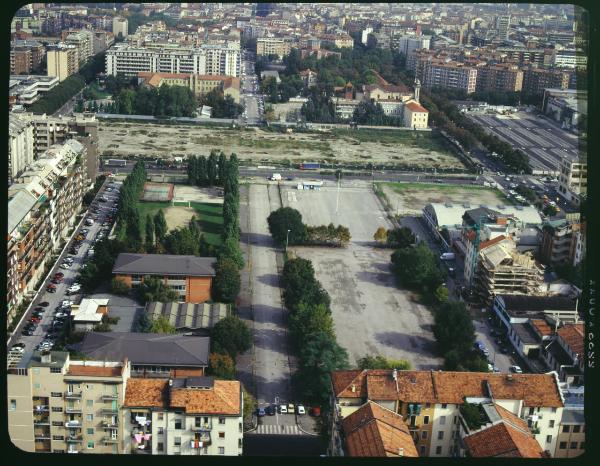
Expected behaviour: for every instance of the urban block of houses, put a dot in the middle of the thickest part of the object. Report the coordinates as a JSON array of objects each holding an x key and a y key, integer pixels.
[
  {"x": 184, "y": 416},
  {"x": 197, "y": 318},
  {"x": 150, "y": 354},
  {"x": 190, "y": 276},
  {"x": 432, "y": 403}
]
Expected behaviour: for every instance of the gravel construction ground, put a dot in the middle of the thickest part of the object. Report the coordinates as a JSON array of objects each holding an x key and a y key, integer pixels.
[
  {"x": 410, "y": 198},
  {"x": 402, "y": 148},
  {"x": 371, "y": 314}
]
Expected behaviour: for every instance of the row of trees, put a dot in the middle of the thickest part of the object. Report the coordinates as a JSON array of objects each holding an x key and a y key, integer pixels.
[
  {"x": 223, "y": 106},
  {"x": 207, "y": 171},
  {"x": 128, "y": 217},
  {"x": 57, "y": 97},
  {"x": 173, "y": 101},
  {"x": 417, "y": 268},
  {"x": 311, "y": 330},
  {"x": 286, "y": 227},
  {"x": 290, "y": 86}
]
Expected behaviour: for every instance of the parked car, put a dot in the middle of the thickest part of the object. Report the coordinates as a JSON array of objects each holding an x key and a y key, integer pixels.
[
  {"x": 61, "y": 315},
  {"x": 66, "y": 302},
  {"x": 65, "y": 265},
  {"x": 18, "y": 347},
  {"x": 51, "y": 290},
  {"x": 27, "y": 333},
  {"x": 282, "y": 409},
  {"x": 516, "y": 369},
  {"x": 301, "y": 410},
  {"x": 271, "y": 410},
  {"x": 290, "y": 408},
  {"x": 260, "y": 412},
  {"x": 45, "y": 303}
]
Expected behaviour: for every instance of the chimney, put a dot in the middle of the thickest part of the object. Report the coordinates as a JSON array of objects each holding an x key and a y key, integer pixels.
[
  {"x": 170, "y": 382},
  {"x": 395, "y": 374},
  {"x": 46, "y": 357},
  {"x": 353, "y": 388},
  {"x": 400, "y": 451}
]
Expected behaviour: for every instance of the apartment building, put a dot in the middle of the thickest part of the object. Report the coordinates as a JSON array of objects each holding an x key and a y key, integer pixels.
[
  {"x": 184, "y": 416},
  {"x": 279, "y": 46},
  {"x": 50, "y": 130},
  {"x": 20, "y": 146},
  {"x": 190, "y": 276},
  {"x": 565, "y": 354},
  {"x": 450, "y": 75},
  {"x": 58, "y": 405},
  {"x": 502, "y": 24},
  {"x": 102, "y": 40},
  {"x": 527, "y": 56},
  {"x": 198, "y": 84},
  {"x": 84, "y": 42},
  {"x": 309, "y": 77},
  {"x": 572, "y": 179},
  {"x": 43, "y": 203},
  {"x": 337, "y": 40},
  {"x": 408, "y": 44},
  {"x": 557, "y": 241},
  {"x": 570, "y": 58},
  {"x": 120, "y": 26},
  {"x": 212, "y": 59},
  {"x": 25, "y": 56},
  {"x": 499, "y": 78},
  {"x": 536, "y": 80},
  {"x": 62, "y": 61},
  {"x": 571, "y": 437},
  {"x": 28, "y": 89},
  {"x": 431, "y": 403}
]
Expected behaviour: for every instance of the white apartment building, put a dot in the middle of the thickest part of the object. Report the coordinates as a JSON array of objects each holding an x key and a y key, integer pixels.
[
  {"x": 84, "y": 42},
  {"x": 450, "y": 75},
  {"x": 430, "y": 402},
  {"x": 408, "y": 44},
  {"x": 62, "y": 61},
  {"x": 20, "y": 146},
  {"x": 184, "y": 416},
  {"x": 279, "y": 46},
  {"x": 572, "y": 179},
  {"x": 209, "y": 59},
  {"x": 120, "y": 26},
  {"x": 570, "y": 58}
]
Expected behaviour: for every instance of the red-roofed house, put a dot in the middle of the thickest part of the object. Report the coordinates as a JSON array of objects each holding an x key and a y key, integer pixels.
[{"x": 415, "y": 115}]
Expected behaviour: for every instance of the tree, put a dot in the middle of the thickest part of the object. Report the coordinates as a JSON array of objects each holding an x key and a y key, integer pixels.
[
  {"x": 309, "y": 319},
  {"x": 149, "y": 231},
  {"x": 400, "y": 237},
  {"x": 319, "y": 356},
  {"x": 154, "y": 289},
  {"x": 231, "y": 336},
  {"x": 381, "y": 362},
  {"x": 160, "y": 225},
  {"x": 441, "y": 294},
  {"x": 231, "y": 250},
  {"x": 222, "y": 366},
  {"x": 227, "y": 283},
  {"x": 162, "y": 325},
  {"x": 249, "y": 406},
  {"x": 380, "y": 235},
  {"x": 284, "y": 219},
  {"x": 416, "y": 267},
  {"x": 118, "y": 286},
  {"x": 453, "y": 327},
  {"x": 300, "y": 285}
]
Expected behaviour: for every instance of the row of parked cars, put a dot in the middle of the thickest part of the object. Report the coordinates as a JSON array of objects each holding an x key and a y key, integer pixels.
[{"x": 271, "y": 410}]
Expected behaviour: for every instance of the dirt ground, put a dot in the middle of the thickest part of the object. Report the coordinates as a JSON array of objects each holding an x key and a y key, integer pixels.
[
  {"x": 409, "y": 199},
  {"x": 178, "y": 216},
  {"x": 120, "y": 139},
  {"x": 184, "y": 193}
]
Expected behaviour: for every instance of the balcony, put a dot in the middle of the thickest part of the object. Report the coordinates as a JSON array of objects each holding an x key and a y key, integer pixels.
[
  {"x": 73, "y": 424},
  {"x": 41, "y": 422},
  {"x": 42, "y": 436},
  {"x": 41, "y": 409},
  {"x": 111, "y": 440},
  {"x": 201, "y": 428},
  {"x": 109, "y": 397},
  {"x": 110, "y": 411},
  {"x": 74, "y": 439},
  {"x": 109, "y": 425},
  {"x": 73, "y": 410},
  {"x": 73, "y": 395}
]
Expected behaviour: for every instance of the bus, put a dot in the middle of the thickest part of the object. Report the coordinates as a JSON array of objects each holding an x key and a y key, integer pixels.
[{"x": 116, "y": 162}]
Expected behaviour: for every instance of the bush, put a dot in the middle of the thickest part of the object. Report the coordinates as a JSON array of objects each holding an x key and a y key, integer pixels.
[
  {"x": 119, "y": 287},
  {"x": 222, "y": 366},
  {"x": 417, "y": 268},
  {"x": 381, "y": 362}
]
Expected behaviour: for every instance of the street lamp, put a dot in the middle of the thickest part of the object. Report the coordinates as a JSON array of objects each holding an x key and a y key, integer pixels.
[{"x": 287, "y": 237}]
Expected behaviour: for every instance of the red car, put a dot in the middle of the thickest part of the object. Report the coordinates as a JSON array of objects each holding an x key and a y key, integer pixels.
[
  {"x": 57, "y": 280},
  {"x": 59, "y": 275},
  {"x": 35, "y": 319}
]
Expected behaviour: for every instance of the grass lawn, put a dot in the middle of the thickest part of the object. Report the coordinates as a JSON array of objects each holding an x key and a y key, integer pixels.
[
  {"x": 210, "y": 217},
  {"x": 424, "y": 140}
]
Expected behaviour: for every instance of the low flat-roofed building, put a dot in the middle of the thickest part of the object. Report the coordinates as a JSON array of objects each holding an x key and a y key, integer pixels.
[
  {"x": 88, "y": 313},
  {"x": 195, "y": 317},
  {"x": 151, "y": 354}
]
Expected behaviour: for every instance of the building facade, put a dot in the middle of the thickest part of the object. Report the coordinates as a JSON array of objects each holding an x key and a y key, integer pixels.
[
  {"x": 572, "y": 179},
  {"x": 62, "y": 61},
  {"x": 415, "y": 116},
  {"x": 20, "y": 146},
  {"x": 499, "y": 78},
  {"x": 279, "y": 46},
  {"x": 198, "y": 84},
  {"x": 25, "y": 56},
  {"x": 120, "y": 26},
  {"x": 450, "y": 75}
]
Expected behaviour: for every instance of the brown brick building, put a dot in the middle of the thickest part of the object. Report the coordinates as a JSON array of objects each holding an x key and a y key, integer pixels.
[
  {"x": 499, "y": 78},
  {"x": 535, "y": 80},
  {"x": 190, "y": 276}
]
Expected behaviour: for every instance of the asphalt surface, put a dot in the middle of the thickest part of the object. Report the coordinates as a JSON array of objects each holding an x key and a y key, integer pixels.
[
  {"x": 251, "y": 99},
  {"x": 54, "y": 299}
]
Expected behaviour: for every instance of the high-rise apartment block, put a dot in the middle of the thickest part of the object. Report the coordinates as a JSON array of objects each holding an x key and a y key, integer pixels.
[
  {"x": 84, "y": 42},
  {"x": 25, "y": 56},
  {"x": 450, "y": 75},
  {"x": 535, "y": 80},
  {"x": 20, "y": 146},
  {"x": 63, "y": 61},
  {"x": 408, "y": 44},
  {"x": 208, "y": 59},
  {"x": 120, "y": 27},
  {"x": 499, "y": 78},
  {"x": 273, "y": 46}
]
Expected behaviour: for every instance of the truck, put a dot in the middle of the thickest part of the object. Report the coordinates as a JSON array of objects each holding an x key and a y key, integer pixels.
[
  {"x": 310, "y": 166},
  {"x": 276, "y": 177},
  {"x": 116, "y": 162},
  {"x": 447, "y": 256}
]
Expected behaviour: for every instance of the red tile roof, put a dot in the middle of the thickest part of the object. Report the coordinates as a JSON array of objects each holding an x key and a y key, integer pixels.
[
  {"x": 223, "y": 398},
  {"x": 503, "y": 440},
  {"x": 416, "y": 107},
  {"x": 375, "y": 431},
  {"x": 542, "y": 326},
  {"x": 147, "y": 393},
  {"x": 491, "y": 242},
  {"x": 572, "y": 335}
]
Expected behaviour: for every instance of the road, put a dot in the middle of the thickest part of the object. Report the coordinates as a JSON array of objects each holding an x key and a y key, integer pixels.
[
  {"x": 249, "y": 87},
  {"x": 270, "y": 356},
  {"x": 54, "y": 299},
  {"x": 67, "y": 108}
]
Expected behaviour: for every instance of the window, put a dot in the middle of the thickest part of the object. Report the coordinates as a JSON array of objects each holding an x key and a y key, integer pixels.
[
  {"x": 548, "y": 438},
  {"x": 89, "y": 387},
  {"x": 531, "y": 411},
  {"x": 205, "y": 450},
  {"x": 90, "y": 431},
  {"x": 55, "y": 370},
  {"x": 221, "y": 434},
  {"x": 438, "y": 450},
  {"x": 160, "y": 431},
  {"x": 442, "y": 420},
  {"x": 444, "y": 405},
  {"x": 177, "y": 441},
  {"x": 57, "y": 423},
  {"x": 221, "y": 450},
  {"x": 576, "y": 429},
  {"x": 441, "y": 435},
  {"x": 425, "y": 419},
  {"x": 422, "y": 450},
  {"x": 178, "y": 424},
  {"x": 553, "y": 410},
  {"x": 57, "y": 409},
  {"x": 56, "y": 394},
  {"x": 36, "y": 385},
  {"x": 221, "y": 420},
  {"x": 423, "y": 435},
  {"x": 455, "y": 420},
  {"x": 58, "y": 437},
  {"x": 89, "y": 417},
  {"x": 563, "y": 445},
  {"x": 89, "y": 403},
  {"x": 160, "y": 446},
  {"x": 58, "y": 451},
  {"x": 551, "y": 423},
  {"x": 90, "y": 445},
  {"x": 13, "y": 405},
  {"x": 160, "y": 416},
  {"x": 566, "y": 429},
  {"x": 427, "y": 405}
]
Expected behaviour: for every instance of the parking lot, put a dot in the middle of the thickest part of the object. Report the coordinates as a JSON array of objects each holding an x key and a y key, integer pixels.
[
  {"x": 50, "y": 310},
  {"x": 543, "y": 141},
  {"x": 371, "y": 314}
]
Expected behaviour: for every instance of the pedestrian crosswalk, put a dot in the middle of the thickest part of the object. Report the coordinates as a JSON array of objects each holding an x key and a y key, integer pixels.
[{"x": 272, "y": 429}]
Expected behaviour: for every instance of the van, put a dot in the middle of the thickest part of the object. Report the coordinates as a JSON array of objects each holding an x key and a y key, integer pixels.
[{"x": 447, "y": 256}]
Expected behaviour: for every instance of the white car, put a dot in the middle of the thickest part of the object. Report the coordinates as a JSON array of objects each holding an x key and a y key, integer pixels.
[
  {"x": 516, "y": 369},
  {"x": 73, "y": 289},
  {"x": 66, "y": 303},
  {"x": 65, "y": 266},
  {"x": 300, "y": 409},
  {"x": 283, "y": 409}
]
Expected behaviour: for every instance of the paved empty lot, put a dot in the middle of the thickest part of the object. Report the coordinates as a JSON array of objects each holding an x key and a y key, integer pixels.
[{"x": 371, "y": 315}]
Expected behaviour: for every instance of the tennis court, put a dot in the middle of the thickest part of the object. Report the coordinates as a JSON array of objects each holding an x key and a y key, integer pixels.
[{"x": 157, "y": 192}]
